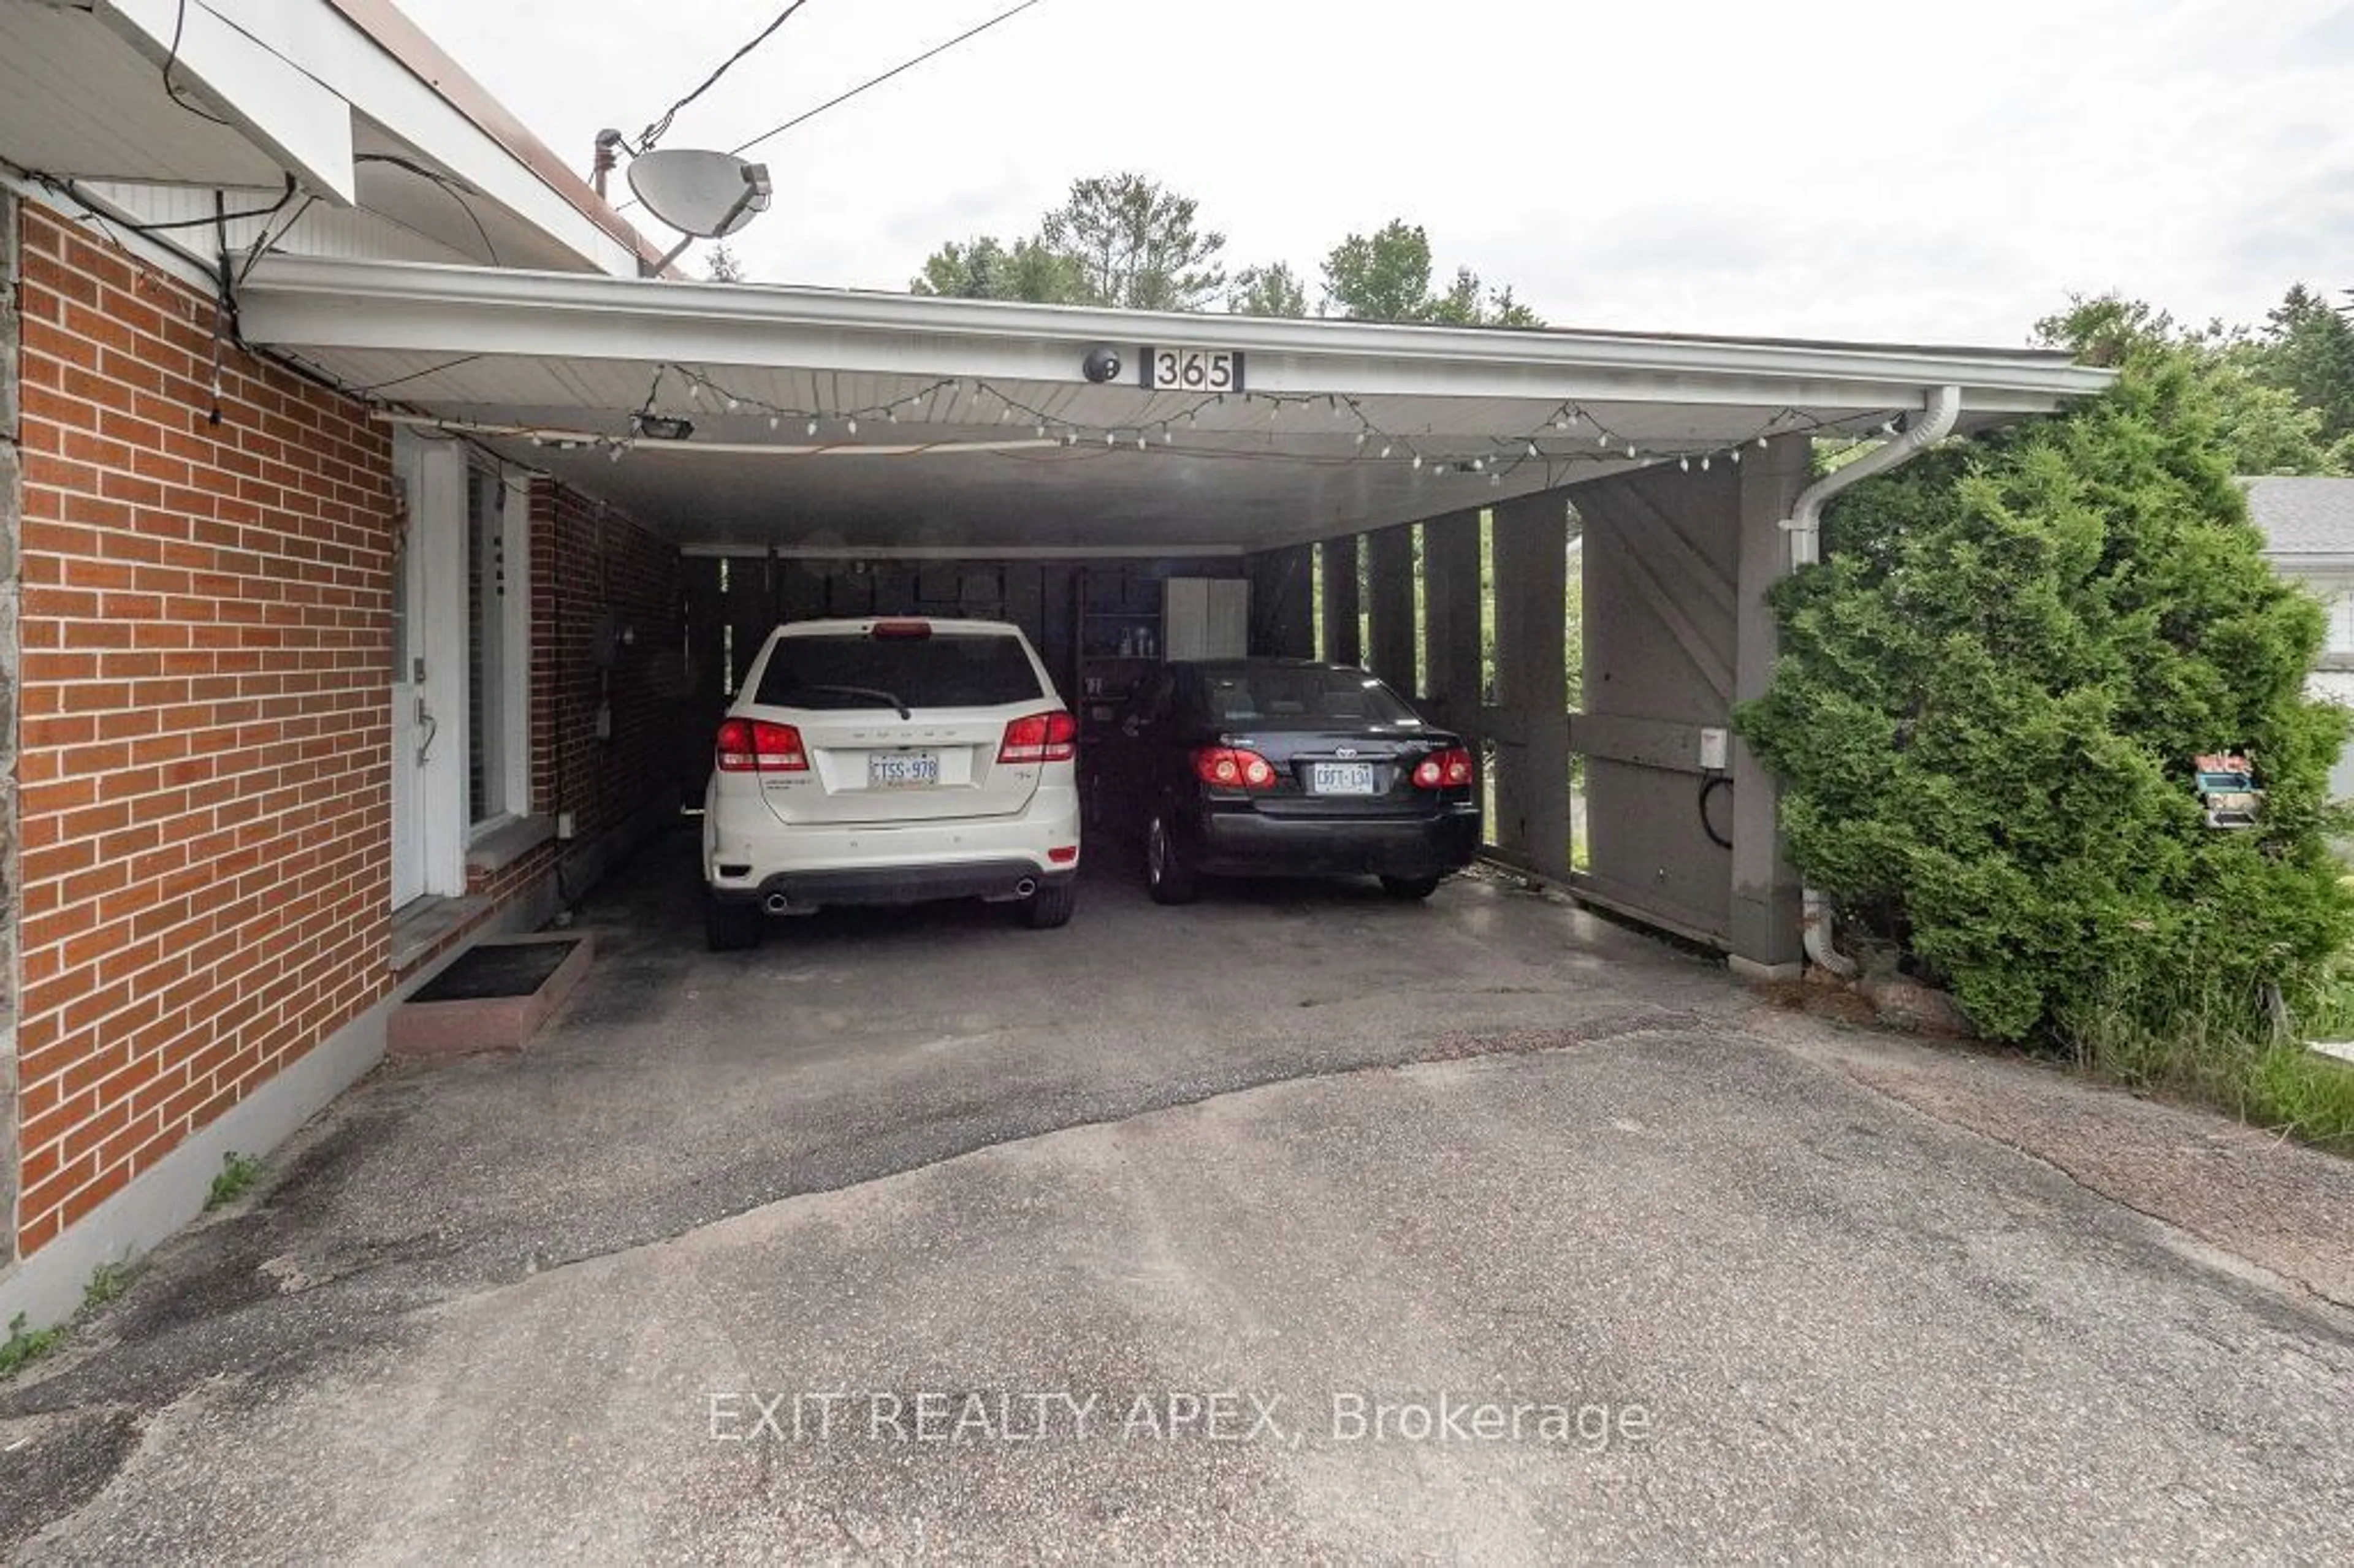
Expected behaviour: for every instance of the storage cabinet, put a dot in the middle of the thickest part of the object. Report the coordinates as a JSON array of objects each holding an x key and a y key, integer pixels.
[{"x": 1205, "y": 617}]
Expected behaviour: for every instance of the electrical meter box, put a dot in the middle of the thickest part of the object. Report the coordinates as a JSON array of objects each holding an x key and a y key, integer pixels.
[{"x": 2226, "y": 781}]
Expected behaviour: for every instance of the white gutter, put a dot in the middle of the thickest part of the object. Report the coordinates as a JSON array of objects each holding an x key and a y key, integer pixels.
[
  {"x": 319, "y": 301},
  {"x": 1806, "y": 520},
  {"x": 1805, "y": 528}
]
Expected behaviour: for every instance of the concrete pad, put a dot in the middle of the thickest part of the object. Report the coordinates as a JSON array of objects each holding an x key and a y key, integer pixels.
[
  {"x": 1297, "y": 1144},
  {"x": 427, "y": 1026}
]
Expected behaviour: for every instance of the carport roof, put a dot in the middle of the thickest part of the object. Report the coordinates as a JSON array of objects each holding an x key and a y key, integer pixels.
[{"x": 948, "y": 398}]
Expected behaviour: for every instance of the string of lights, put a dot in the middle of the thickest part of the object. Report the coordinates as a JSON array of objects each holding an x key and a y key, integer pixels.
[{"x": 1569, "y": 437}]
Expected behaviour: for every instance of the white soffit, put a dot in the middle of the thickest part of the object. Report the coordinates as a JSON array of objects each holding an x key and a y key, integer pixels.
[
  {"x": 503, "y": 354},
  {"x": 82, "y": 95}
]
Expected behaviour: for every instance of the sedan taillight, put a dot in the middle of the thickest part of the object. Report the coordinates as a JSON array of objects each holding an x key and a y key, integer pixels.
[
  {"x": 1041, "y": 737},
  {"x": 1231, "y": 769},
  {"x": 756, "y": 746},
  {"x": 1448, "y": 770}
]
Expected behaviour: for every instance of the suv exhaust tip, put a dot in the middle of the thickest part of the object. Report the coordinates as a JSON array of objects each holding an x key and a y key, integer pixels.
[
  {"x": 778, "y": 904},
  {"x": 1025, "y": 887}
]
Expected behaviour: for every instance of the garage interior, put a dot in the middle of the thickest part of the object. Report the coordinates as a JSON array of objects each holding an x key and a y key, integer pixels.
[{"x": 1345, "y": 495}]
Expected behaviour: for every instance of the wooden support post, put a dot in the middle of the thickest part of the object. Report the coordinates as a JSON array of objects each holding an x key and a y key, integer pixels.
[
  {"x": 1389, "y": 580},
  {"x": 1342, "y": 643}
]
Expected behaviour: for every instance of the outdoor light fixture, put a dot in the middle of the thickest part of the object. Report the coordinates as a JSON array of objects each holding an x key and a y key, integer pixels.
[{"x": 660, "y": 426}]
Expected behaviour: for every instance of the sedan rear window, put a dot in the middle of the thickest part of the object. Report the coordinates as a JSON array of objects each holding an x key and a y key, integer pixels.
[
  {"x": 858, "y": 672},
  {"x": 1302, "y": 697}
]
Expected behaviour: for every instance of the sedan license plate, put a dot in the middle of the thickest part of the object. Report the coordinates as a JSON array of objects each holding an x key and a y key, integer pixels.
[
  {"x": 902, "y": 769},
  {"x": 1341, "y": 777}
]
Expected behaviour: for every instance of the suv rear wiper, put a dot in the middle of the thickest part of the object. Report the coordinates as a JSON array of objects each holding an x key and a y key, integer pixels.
[{"x": 887, "y": 699}]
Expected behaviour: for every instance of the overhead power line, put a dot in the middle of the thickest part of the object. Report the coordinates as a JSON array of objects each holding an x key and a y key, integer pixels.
[
  {"x": 1004, "y": 15},
  {"x": 661, "y": 127}
]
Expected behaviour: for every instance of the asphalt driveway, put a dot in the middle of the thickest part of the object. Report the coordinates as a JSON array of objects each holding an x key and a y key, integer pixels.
[{"x": 1297, "y": 1222}]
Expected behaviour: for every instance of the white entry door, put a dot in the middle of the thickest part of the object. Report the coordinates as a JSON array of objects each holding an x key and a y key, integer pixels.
[
  {"x": 408, "y": 686},
  {"x": 428, "y": 671}
]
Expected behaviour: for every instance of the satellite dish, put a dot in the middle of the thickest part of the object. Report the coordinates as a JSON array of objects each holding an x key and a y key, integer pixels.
[{"x": 707, "y": 194}]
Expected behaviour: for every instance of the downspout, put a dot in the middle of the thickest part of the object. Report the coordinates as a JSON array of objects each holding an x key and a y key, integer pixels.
[{"x": 1805, "y": 528}]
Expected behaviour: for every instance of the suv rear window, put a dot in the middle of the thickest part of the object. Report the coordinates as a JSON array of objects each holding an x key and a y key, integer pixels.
[
  {"x": 853, "y": 672},
  {"x": 1294, "y": 697}
]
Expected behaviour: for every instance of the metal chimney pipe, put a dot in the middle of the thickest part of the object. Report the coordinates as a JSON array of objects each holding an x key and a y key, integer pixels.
[{"x": 608, "y": 153}]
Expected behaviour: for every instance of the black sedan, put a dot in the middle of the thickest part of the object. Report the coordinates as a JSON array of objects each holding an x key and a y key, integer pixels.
[{"x": 1282, "y": 767}]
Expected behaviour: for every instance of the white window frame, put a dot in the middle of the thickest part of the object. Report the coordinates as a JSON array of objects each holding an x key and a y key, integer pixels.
[{"x": 514, "y": 659}]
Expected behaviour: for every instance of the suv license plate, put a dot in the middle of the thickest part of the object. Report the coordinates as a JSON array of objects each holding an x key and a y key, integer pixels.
[
  {"x": 1341, "y": 777},
  {"x": 902, "y": 769}
]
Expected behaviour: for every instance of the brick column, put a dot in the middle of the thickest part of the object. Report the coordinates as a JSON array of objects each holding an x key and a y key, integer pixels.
[{"x": 11, "y": 510}]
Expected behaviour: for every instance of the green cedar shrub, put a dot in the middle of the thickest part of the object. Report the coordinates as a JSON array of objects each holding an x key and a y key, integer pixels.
[{"x": 1984, "y": 718}]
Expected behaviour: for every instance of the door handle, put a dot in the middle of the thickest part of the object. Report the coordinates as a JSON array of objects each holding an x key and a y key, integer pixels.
[{"x": 428, "y": 728}]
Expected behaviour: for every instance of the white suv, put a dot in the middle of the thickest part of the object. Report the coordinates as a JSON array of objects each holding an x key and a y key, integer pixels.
[{"x": 887, "y": 761}]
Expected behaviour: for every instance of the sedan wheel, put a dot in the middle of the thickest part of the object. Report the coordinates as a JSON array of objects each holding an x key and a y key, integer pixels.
[{"x": 1166, "y": 876}]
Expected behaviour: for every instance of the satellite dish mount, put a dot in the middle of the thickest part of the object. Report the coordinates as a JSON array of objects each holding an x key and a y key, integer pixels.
[{"x": 704, "y": 194}]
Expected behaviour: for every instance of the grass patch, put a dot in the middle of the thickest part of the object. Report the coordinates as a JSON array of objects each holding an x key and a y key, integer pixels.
[
  {"x": 238, "y": 1172},
  {"x": 2305, "y": 1093},
  {"x": 24, "y": 1346},
  {"x": 2276, "y": 1083},
  {"x": 107, "y": 1281},
  {"x": 2328, "y": 1014}
]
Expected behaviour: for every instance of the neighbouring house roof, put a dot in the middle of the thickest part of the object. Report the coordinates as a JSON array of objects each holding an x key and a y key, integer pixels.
[{"x": 2304, "y": 519}]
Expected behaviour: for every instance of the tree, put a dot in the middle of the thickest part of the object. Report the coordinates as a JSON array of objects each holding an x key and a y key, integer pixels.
[
  {"x": 1135, "y": 245},
  {"x": 2260, "y": 427},
  {"x": 1987, "y": 706},
  {"x": 1383, "y": 277},
  {"x": 984, "y": 269},
  {"x": 1118, "y": 240},
  {"x": 1386, "y": 277},
  {"x": 1274, "y": 291},
  {"x": 2307, "y": 350},
  {"x": 1126, "y": 240},
  {"x": 724, "y": 266}
]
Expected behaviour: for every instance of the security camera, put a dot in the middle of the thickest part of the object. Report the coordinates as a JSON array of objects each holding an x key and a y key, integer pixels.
[{"x": 1102, "y": 363}]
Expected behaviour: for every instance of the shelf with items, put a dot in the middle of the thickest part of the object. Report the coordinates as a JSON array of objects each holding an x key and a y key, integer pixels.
[
  {"x": 1104, "y": 685},
  {"x": 1126, "y": 634},
  {"x": 1117, "y": 616}
]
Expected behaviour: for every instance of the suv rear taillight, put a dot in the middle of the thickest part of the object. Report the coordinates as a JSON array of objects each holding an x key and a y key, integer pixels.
[
  {"x": 756, "y": 746},
  {"x": 1231, "y": 768},
  {"x": 1041, "y": 737},
  {"x": 1448, "y": 770}
]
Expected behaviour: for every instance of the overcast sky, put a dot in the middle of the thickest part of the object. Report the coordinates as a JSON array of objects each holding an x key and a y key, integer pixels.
[{"x": 1829, "y": 170}]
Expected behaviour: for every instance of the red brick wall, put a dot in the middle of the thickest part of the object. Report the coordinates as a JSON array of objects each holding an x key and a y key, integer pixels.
[
  {"x": 586, "y": 559},
  {"x": 205, "y": 737}
]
